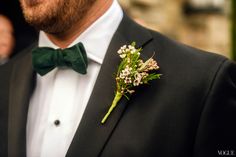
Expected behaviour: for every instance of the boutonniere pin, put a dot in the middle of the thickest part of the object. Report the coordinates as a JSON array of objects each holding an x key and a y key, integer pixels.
[{"x": 131, "y": 73}]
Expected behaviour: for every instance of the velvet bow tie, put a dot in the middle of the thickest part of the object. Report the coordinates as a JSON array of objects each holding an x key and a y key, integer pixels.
[{"x": 45, "y": 59}]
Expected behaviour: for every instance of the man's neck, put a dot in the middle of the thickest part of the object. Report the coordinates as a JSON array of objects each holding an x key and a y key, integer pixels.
[{"x": 63, "y": 40}]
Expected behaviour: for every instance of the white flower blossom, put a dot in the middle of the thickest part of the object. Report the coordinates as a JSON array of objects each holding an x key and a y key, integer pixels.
[
  {"x": 138, "y": 77},
  {"x": 127, "y": 50},
  {"x": 122, "y": 55},
  {"x": 122, "y": 76},
  {"x": 130, "y": 47},
  {"x": 119, "y": 51},
  {"x": 131, "y": 91},
  {"x": 123, "y": 47},
  {"x": 132, "y": 51},
  {"x": 136, "y": 83},
  {"x": 128, "y": 80},
  {"x": 126, "y": 72}
]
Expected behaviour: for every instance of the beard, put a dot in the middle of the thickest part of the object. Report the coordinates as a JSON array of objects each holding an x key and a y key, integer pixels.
[{"x": 54, "y": 16}]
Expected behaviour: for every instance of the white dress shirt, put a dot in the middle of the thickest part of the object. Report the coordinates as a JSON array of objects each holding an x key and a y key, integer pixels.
[{"x": 60, "y": 97}]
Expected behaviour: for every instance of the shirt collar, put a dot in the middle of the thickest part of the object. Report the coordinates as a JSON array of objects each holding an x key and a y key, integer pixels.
[{"x": 97, "y": 37}]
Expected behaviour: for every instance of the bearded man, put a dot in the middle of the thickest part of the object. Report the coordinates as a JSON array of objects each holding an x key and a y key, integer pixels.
[{"x": 53, "y": 109}]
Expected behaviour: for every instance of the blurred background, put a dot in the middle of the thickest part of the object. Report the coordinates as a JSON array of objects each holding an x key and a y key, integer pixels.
[
  {"x": 205, "y": 24},
  {"x": 23, "y": 34}
]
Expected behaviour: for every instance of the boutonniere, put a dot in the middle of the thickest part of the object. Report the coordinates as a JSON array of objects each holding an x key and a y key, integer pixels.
[{"x": 131, "y": 73}]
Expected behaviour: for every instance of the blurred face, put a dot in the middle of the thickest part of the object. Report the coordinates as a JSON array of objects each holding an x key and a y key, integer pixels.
[
  {"x": 54, "y": 16},
  {"x": 6, "y": 37}
]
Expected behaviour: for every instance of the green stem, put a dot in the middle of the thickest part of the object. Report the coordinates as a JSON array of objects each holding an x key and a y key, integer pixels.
[{"x": 113, "y": 105}]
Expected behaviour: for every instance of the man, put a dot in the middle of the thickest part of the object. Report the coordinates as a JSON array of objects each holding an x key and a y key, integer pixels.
[
  {"x": 6, "y": 39},
  {"x": 190, "y": 111}
]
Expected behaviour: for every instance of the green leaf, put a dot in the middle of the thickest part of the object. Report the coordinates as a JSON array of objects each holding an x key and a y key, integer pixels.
[{"x": 133, "y": 44}]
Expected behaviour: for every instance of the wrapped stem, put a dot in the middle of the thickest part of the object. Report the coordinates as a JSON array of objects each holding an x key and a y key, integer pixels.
[{"x": 117, "y": 98}]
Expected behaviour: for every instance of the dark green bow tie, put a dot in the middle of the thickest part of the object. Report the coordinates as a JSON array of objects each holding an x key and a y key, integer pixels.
[{"x": 45, "y": 59}]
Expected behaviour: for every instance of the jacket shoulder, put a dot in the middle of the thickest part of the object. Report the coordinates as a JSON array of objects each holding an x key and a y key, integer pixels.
[{"x": 187, "y": 69}]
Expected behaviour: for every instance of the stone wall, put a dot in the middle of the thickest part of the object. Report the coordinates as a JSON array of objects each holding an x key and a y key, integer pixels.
[{"x": 203, "y": 29}]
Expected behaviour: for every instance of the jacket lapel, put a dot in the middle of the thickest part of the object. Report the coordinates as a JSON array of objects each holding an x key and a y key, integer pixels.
[
  {"x": 91, "y": 135},
  {"x": 20, "y": 88}
]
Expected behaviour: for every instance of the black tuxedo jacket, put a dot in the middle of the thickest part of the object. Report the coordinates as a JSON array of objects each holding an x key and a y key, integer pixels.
[{"x": 189, "y": 112}]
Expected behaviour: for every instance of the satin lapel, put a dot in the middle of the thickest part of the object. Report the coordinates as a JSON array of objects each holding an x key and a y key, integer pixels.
[
  {"x": 91, "y": 135},
  {"x": 20, "y": 89}
]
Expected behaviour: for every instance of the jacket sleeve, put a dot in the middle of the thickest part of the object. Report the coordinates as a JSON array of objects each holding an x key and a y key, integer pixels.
[{"x": 216, "y": 133}]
